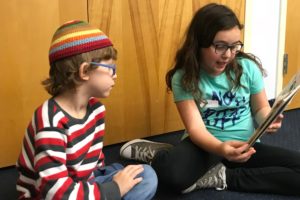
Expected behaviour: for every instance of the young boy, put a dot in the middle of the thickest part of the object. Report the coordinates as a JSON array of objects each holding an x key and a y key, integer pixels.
[{"x": 62, "y": 156}]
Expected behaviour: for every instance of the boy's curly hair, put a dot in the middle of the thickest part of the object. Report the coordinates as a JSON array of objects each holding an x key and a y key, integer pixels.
[{"x": 64, "y": 73}]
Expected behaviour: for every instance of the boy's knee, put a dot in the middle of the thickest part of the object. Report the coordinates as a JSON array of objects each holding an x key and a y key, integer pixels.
[
  {"x": 149, "y": 177},
  {"x": 149, "y": 174},
  {"x": 146, "y": 189}
]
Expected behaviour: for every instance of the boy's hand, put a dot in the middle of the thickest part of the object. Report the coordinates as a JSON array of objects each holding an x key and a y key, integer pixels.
[
  {"x": 237, "y": 151},
  {"x": 126, "y": 178}
]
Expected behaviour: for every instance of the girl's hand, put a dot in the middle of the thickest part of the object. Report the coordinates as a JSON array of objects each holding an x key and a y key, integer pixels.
[
  {"x": 275, "y": 125},
  {"x": 237, "y": 151},
  {"x": 127, "y": 178}
]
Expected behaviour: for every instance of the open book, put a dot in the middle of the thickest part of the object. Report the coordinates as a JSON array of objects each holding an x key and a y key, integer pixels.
[{"x": 281, "y": 101}]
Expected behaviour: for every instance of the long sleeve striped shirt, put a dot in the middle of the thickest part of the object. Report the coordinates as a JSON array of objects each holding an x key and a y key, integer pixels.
[{"x": 60, "y": 153}]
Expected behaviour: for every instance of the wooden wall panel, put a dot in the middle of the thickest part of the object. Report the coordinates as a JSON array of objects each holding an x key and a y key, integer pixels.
[
  {"x": 292, "y": 47},
  {"x": 147, "y": 34},
  {"x": 70, "y": 10},
  {"x": 27, "y": 28}
]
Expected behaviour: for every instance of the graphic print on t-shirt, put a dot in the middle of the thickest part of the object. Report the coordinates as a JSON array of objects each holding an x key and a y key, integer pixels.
[{"x": 229, "y": 110}]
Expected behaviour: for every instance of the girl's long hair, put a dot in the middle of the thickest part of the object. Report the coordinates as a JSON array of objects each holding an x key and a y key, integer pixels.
[{"x": 201, "y": 32}]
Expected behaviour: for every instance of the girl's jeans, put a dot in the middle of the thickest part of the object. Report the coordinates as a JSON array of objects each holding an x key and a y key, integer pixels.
[{"x": 144, "y": 190}]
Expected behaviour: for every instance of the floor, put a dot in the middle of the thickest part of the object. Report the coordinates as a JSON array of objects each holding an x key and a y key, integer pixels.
[{"x": 288, "y": 137}]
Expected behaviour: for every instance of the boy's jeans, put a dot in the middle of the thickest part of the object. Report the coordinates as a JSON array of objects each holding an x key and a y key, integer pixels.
[{"x": 144, "y": 190}]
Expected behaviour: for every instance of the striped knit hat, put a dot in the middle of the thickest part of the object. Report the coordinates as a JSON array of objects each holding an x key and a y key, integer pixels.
[{"x": 76, "y": 37}]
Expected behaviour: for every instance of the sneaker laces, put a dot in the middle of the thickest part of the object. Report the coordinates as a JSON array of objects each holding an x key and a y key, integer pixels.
[
  {"x": 214, "y": 179},
  {"x": 145, "y": 154},
  {"x": 209, "y": 182}
]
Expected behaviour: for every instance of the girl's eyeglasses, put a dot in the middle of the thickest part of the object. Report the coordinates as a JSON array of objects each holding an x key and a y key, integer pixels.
[
  {"x": 110, "y": 66},
  {"x": 221, "y": 48}
]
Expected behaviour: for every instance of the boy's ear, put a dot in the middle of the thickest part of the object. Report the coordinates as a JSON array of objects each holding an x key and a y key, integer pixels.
[{"x": 84, "y": 72}]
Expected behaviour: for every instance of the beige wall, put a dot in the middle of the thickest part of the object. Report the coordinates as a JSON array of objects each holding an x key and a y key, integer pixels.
[{"x": 146, "y": 34}]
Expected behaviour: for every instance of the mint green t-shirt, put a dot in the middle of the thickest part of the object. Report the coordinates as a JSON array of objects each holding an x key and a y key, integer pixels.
[{"x": 225, "y": 112}]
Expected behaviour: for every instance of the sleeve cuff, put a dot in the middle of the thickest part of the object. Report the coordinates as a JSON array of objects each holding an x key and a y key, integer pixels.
[{"x": 110, "y": 191}]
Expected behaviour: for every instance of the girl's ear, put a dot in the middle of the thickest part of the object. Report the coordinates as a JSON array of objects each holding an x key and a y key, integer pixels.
[{"x": 84, "y": 72}]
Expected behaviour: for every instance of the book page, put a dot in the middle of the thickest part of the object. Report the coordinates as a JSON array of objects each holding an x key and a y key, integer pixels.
[
  {"x": 281, "y": 101},
  {"x": 291, "y": 88}
]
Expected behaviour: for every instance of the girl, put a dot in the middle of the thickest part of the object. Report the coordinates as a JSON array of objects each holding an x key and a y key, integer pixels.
[{"x": 219, "y": 92}]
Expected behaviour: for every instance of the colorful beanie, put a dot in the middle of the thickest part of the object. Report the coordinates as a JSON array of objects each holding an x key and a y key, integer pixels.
[{"x": 76, "y": 37}]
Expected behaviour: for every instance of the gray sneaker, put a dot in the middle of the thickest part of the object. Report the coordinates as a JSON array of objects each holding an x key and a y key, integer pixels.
[
  {"x": 142, "y": 150},
  {"x": 214, "y": 178}
]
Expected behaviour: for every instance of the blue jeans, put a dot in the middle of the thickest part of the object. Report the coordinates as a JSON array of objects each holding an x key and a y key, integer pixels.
[{"x": 144, "y": 190}]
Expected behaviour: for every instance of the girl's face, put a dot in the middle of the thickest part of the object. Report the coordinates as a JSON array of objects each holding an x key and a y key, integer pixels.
[
  {"x": 216, "y": 57},
  {"x": 102, "y": 79}
]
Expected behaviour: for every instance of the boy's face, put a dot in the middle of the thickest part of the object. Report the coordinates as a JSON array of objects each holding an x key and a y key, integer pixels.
[{"x": 102, "y": 79}]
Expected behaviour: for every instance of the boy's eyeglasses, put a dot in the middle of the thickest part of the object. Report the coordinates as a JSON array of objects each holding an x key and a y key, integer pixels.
[
  {"x": 221, "y": 48},
  {"x": 110, "y": 66}
]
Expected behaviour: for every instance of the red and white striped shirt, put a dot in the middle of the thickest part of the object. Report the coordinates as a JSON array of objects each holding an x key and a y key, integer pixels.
[{"x": 60, "y": 153}]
